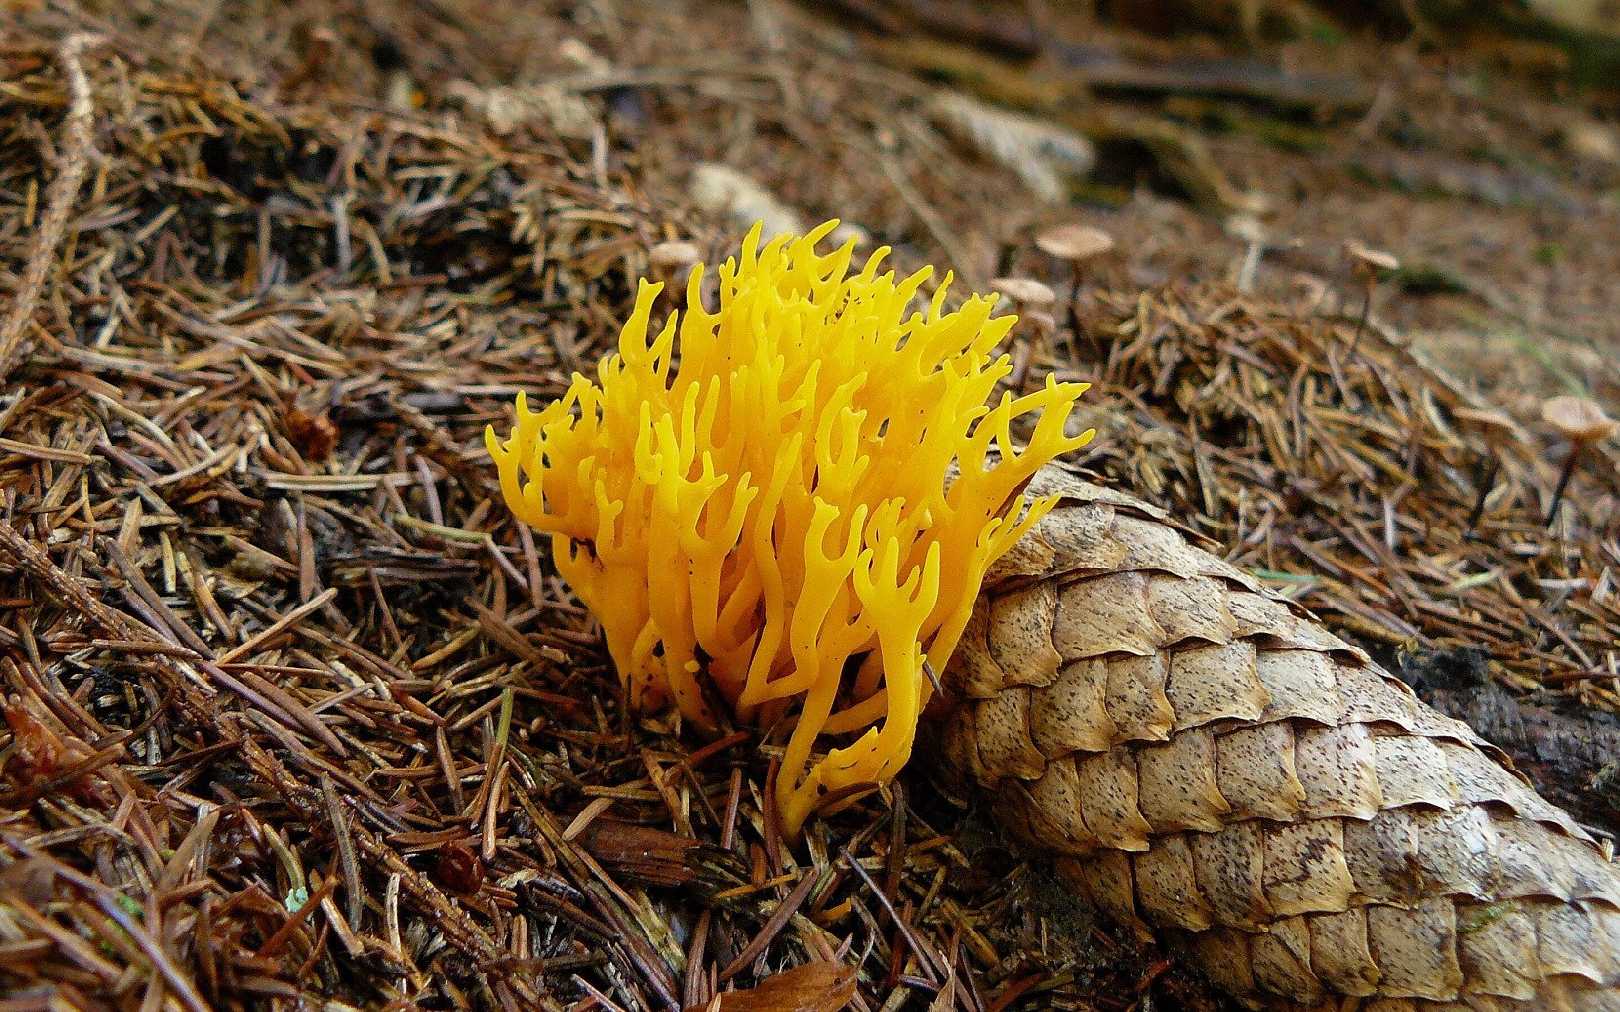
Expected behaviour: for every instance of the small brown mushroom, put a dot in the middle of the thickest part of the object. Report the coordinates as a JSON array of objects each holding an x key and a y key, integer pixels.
[
  {"x": 1248, "y": 229},
  {"x": 1494, "y": 426},
  {"x": 1367, "y": 264},
  {"x": 1030, "y": 300},
  {"x": 1583, "y": 423},
  {"x": 1024, "y": 292},
  {"x": 1578, "y": 419},
  {"x": 1075, "y": 243},
  {"x": 673, "y": 255},
  {"x": 669, "y": 262},
  {"x": 1041, "y": 321}
]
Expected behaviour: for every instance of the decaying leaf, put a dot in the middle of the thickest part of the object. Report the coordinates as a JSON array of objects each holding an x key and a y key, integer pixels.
[
  {"x": 312, "y": 433},
  {"x": 813, "y": 987},
  {"x": 32, "y": 880},
  {"x": 38, "y": 752},
  {"x": 458, "y": 868}
]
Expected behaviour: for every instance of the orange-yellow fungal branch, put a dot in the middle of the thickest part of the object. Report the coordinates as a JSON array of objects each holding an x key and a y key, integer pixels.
[{"x": 754, "y": 501}]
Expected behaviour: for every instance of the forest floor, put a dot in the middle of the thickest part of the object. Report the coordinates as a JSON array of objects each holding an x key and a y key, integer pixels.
[{"x": 297, "y": 712}]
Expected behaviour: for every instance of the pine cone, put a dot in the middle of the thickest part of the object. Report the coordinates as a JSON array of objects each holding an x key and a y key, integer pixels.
[{"x": 1210, "y": 762}]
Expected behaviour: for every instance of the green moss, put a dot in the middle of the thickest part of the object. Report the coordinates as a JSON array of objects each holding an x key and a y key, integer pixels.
[
  {"x": 1325, "y": 32},
  {"x": 1429, "y": 278},
  {"x": 1099, "y": 194},
  {"x": 1229, "y": 118}
]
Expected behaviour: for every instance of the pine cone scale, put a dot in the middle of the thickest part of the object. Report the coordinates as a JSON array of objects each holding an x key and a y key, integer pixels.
[{"x": 1211, "y": 763}]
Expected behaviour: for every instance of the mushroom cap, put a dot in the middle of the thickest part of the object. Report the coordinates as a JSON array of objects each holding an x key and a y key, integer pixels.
[
  {"x": 1246, "y": 227},
  {"x": 1026, "y": 291},
  {"x": 1374, "y": 259},
  {"x": 1075, "y": 242},
  {"x": 674, "y": 253},
  {"x": 1578, "y": 419}
]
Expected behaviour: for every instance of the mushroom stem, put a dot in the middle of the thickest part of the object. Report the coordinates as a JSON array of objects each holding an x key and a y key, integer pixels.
[
  {"x": 1075, "y": 244},
  {"x": 1023, "y": 354},
  {"x": 1071, "y": 306},
  {"x": 1365, "y": 265},
  {"x": 1366, "y": 311},
  {"x": 1487, "y": 482},
  {"x": 1581, "y": 421},
  {"x": 1563, "y": 480}
]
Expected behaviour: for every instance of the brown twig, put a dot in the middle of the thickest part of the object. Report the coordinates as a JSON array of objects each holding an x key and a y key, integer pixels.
[{"x": 78, "y": 148}]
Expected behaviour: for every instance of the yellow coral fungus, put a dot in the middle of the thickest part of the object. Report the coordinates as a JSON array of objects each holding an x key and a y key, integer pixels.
[{"x": 755, "y": 501}]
